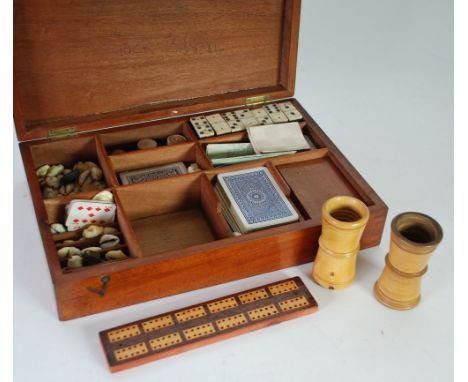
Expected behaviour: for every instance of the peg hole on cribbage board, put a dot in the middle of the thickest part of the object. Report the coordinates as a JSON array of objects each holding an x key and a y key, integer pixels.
[{"x": 201, "y": 324}]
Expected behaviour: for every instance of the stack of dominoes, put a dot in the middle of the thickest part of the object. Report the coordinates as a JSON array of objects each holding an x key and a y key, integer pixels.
[{"x": 238, "y": 120}]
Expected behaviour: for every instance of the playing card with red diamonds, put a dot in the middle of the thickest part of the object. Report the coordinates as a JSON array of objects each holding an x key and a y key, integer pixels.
[{"x": 83, "y": 212}]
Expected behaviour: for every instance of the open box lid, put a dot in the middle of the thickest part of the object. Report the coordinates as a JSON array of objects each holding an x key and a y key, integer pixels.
[{"x": 86, "y": 65}]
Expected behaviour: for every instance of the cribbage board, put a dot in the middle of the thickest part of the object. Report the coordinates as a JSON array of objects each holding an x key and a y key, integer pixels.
[{"x": 174, "y": 332}]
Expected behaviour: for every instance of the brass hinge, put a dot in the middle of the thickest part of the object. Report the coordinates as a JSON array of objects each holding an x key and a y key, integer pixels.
[
  {"x": 257, "y": 101},
  {"x": 65, "y": 132}
]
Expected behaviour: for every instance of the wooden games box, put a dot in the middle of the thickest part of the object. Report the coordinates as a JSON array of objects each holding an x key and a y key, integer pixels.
[{"x": 91, "y": 76}]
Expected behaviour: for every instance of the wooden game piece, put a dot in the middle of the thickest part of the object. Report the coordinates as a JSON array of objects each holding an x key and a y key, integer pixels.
[
  {"x": 202, "y": 127},
  {"x": 221, "y": 127},
  {"x": 414, "y": 238},
  {"x": 293, "y": 115},
  {"x": 286, "y": 106},
  {"x": 214, "y": 118},
  {"x": 290, "y": 111},
  {"x": 174, "y": 332},
  {"x": 274, "y": 112},
  {"x": 230, "y": 116},
  {"x": 344, "y": 219},
  {"x": 259, "y": 113},
  {"x": 279, "y": 117},
  {"x": 147, "y": 143},
  {"x": 272, "y": 108},
  {"x": 175, "y": 139},
  {"x": 244, "y": 113},
  {"x": 250, "y": 121},
  {"x": 265, "y": 121},
  {"x": 236, "y": 126}
]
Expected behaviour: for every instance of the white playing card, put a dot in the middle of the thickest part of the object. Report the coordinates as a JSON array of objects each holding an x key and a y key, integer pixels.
[
  {"x": 277, "y": 138},
  {"x": 83, "y": 212}
]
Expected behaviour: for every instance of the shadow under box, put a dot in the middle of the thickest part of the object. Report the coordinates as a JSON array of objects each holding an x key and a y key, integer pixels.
[{"x": 173, "y": 213}]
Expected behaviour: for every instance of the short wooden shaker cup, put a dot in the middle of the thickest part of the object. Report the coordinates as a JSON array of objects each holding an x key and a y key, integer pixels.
[
  {"x": 414, "y": 237},
  {"x": 344, "y": 219}
]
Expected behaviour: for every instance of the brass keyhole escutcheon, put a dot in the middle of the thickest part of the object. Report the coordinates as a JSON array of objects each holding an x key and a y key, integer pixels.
[{"x": 101, "y": 291}]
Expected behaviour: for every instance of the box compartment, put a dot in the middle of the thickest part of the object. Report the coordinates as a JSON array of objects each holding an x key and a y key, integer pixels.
[
  {"x": 313, "y": 182},
  {"x": 127, "y": 140},
  {"x": 187, "y": 153},
  {"x": 55, "y": 211},
  {"x": 172, "y": 214},
  {"x": 67, "y": 153}
]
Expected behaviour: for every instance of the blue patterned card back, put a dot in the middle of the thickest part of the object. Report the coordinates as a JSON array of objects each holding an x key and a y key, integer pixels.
[{"x": 257, "y": 197}]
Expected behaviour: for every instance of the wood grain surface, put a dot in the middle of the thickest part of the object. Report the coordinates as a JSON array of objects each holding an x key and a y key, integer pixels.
[
  {"x": 94, "y": 63},
  {"x": 121, "y": 71},
  {"x": 174, "y": 332}
]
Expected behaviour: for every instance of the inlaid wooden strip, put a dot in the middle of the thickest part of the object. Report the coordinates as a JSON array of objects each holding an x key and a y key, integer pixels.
[
  {"x": 219, "y": 306},
  {"x": 255, "y": 295},
  {"x": 190, "y": 314},
  {"x": 157, "y": 323},
  {"x": 293, "y": 303},
  {"x": 174, "y": 332},
  {"x": 259, "y": 313},
  {"x": 165, "y": 341},
  {"x": 199, "y": 331},
  {"x": 122, "y": 333},
  {"x": 131, "y": 351},
  {"x": 280, "y": 288},
  {"x": 231, "y": 322}
]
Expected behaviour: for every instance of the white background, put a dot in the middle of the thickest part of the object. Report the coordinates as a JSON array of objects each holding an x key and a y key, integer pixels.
[{"x": 377, "y": 77}]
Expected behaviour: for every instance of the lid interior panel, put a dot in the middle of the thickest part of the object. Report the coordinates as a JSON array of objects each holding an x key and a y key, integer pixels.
[{"x": 79, "y": 59}]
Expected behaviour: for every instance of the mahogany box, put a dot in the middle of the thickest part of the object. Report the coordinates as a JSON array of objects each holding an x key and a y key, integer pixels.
[{"x": 92, "y": 75}]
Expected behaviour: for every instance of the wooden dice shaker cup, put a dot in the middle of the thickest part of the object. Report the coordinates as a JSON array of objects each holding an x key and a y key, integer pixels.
[
  {"x": 343, "y": 221},
  {"x": 414, "y": 237}
]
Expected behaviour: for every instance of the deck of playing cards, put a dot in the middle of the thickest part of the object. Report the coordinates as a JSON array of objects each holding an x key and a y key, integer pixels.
[
  {"x": 152, "y": 173},
  {"x": 80, "y": 213},
  {"x": 252, "y": 200}
]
